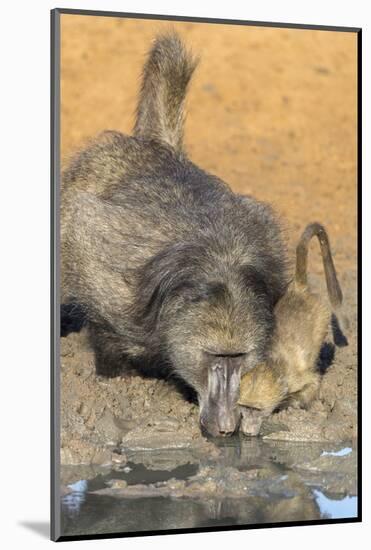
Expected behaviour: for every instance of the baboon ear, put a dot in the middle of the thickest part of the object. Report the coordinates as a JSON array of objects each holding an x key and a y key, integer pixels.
[
  {"x": 169, "y": 273},
  {"x": 154, "y": 292},
  {"x": 155, "y": 283}
]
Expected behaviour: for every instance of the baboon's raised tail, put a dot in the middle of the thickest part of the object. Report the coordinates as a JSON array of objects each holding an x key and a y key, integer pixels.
[
  {"x": 333, "y": 286},
  {"x": 166, "y": 75}
]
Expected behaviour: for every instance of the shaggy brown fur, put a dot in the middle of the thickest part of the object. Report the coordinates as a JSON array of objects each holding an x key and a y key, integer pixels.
[
  {"x": 302, "y": 320},
  {"x": 175, "y": 273}
]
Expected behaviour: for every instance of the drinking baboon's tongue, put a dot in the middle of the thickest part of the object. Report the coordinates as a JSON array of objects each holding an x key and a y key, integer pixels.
[{"x": 219, "y": 412}]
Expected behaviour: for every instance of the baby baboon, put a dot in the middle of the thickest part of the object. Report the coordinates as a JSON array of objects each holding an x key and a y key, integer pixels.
[
  {"x": 169, "y": 265},
  {"x": 302, "y": 320}
]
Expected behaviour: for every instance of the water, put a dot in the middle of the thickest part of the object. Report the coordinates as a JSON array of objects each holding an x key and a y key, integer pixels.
[
  {"x": 252, "y": 481},
  {"x": 345, "y": 507}
]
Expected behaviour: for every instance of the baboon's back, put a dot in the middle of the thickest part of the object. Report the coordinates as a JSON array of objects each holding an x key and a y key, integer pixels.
[{"x": 126, "y": 198}]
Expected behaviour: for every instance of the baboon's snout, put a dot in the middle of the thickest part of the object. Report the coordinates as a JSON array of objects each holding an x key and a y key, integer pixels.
[
  {"x": 219, "y": 422},
  {"x": 220, "y": 414}
]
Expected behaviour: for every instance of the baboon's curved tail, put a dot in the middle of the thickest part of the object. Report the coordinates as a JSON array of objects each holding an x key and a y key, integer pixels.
[
  {"x": 166, "y": 75},
  {"x": 333, "y": 286}
]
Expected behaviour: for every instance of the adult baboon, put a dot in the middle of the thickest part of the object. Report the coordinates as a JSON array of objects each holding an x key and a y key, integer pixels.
[{"x": 169, "y": 265}]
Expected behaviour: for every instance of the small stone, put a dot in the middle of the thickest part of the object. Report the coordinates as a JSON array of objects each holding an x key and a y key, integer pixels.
[
  {"x": 118, "y": 484},
  {"x": 118, "y": 458},
  {"x": 108, "y": 428}
]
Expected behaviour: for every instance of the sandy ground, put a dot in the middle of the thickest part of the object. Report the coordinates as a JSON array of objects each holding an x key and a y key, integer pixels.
[{"x": 273, "y": 113}]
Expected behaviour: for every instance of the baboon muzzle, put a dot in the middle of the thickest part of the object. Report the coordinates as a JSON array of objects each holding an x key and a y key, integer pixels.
[{"x": 219, "y": 413}]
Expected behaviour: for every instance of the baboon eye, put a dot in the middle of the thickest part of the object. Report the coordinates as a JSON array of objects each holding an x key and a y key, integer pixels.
[
  {"x": 254, "y": 279},
  {"x": 199, "y": 292}
]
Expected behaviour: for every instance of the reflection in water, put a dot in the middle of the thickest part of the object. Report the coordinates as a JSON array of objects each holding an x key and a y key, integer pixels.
[
  {"x": 74, "y": 500},
  {"x": 342, "y": 452},
  {"x": 256, "y": 482},
  {"x": 332, "y": 508}
]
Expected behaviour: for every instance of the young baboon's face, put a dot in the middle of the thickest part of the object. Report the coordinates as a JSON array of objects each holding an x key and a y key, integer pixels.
[
  {"x": 252, "y": 419},
  {"x": 217, "y": 331}
]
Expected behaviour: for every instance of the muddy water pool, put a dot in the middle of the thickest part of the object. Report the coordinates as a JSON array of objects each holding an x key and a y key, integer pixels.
[{"x": 247, "y": 481}]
